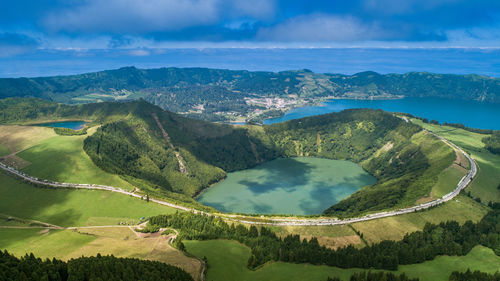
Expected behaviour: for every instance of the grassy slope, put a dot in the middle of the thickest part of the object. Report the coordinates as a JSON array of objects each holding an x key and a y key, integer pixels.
[
  {"x": 393, "y": 228},
  {"x": 72, "y": 207},
  {"x": 4, "y": 150},
  {"x": 332, "y": 236},
  {"x": 488, "y": 178},
  {"x": 447, "y": 181},
  {"x": 17, "y": 138},
  {"x": 67, "y": 207},
  {"x": 120, "y": 242},
  {"x": 227, "y": 261},
  {"x": 62, "y": 158},
  {"x": 460, "y": 209},
  {"x": 56, "y": 243},
  {"x": 439, "y": 156}
]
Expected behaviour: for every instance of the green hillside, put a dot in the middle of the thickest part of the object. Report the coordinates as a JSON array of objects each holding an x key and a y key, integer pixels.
[
  {"x": 173, "y": 156},
  {"x": 206, "y": 93}
]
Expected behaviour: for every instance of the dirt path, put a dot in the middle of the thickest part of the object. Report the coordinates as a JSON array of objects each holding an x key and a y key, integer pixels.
[
  {"x": 180, "y": 160},
  {"x": 28, "y": 221}
]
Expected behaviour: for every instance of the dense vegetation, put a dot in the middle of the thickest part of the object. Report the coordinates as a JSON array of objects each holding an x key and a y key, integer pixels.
[
  {"x": 420, "y": 84},
  {"x": 492, "y": 143},
  {"x": 447, "y": 238},
  {"x": 386, "y": 146},
  {"x": 376, "y": 276},
  {"x": 462, "y": 126},
  {"x": 86, "y": 268},
  {"x": 135, "y": 146},
  {"x": 70, "y": 132},
  {"x": 388, "y": 276},
  {"x": 130, "y": 142},
  {"x": 474, "y": 276},
  {"x": 216, "y": 90}
]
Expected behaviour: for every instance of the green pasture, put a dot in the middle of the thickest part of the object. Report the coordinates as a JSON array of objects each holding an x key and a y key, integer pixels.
[
  {"x": 66, "y": 207},
  {"x": 485, "y": 185},
  {"x": 42, "y": 242},
  {"x": 447, "y": 181},
  {"x": 461, "y": 209},
  {"x": 62, "y": 158},
  {"x": 227, "y": 260}
]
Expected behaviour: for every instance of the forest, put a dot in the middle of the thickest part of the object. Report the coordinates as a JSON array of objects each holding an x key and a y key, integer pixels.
[
  {"x": 446, "y": 238},
  {"x": 492, "y": 143},
  {"x": 474, "y": 276},
  {"x": 98, "y": 268},
  {"x": 388, "y": 276},
  {"x": 376, "y": 276}
]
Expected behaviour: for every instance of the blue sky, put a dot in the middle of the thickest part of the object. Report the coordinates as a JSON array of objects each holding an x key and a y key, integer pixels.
[{"x": 142, "y": 25}]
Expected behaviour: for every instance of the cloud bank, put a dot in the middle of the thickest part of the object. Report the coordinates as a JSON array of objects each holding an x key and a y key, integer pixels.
[{"x": 111, "y": 24}]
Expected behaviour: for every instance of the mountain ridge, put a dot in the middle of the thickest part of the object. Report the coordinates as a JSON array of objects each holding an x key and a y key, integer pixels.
[{"x": 222, "y": 95}]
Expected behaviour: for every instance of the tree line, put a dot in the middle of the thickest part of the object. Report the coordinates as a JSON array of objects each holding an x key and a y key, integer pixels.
[
  {"x": 474, "y": 276},
  {"x": 98, "y": 268},
  {"x": 389, "y": 276},
  {"x": 492, "y": 143},
  {"x": 446, "y": 238},
  {"x": 376, "y": 276}
]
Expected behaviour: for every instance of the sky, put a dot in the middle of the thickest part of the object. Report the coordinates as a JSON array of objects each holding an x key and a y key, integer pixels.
[
  {"x": 41, "y": 37},
  {"x": 131, "y": 24}
]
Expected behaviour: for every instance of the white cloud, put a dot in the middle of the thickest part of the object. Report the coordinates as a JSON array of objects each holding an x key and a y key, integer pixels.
[
  {"x": 322, "y": 28},
  {"x": 135, "y": 17},
  {"x": 399, "y": 7},
  {"x": 139, "y": 53}
]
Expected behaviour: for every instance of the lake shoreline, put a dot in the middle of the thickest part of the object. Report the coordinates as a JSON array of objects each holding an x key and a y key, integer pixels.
[
  {"x": 306, "y": 187},
  {"x": 478, "y": 114}
]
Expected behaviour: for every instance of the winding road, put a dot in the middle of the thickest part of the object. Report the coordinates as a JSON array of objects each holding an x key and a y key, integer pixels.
[{"x": 272, "y": 221}]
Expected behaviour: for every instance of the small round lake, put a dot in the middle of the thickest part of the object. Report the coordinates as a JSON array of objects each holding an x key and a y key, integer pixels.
[
  {"x": 299, "y": 186},
  {"x": 74, "y": 125}
]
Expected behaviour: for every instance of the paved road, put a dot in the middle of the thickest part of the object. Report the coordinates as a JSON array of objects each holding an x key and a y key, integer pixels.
[{"x": 272, "y": 221}]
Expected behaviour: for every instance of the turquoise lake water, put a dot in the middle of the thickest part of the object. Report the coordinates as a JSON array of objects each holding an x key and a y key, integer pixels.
[
  {"x": 299, "y": 185},
  {"x": 470, "y": 113},
  {"x": 74, "y": 125}
]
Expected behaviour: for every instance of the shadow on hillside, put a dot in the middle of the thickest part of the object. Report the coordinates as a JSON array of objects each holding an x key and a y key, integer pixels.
[{"x": 30, "y": 202}]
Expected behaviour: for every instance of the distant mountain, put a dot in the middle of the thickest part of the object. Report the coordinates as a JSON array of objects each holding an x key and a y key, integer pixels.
[{"x": 206, "y": 93}]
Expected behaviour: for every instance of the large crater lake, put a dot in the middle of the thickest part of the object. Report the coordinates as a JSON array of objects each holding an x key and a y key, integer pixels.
[{"x": 299, "y": 186}]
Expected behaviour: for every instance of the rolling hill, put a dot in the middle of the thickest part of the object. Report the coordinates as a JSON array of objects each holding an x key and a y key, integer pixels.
[
  {"x": 217, "y": 94},
  {"x": 170, "y": 155}
]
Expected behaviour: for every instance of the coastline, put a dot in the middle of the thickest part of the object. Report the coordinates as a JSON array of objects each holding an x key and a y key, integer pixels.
[{"x": 320, "y": 102}]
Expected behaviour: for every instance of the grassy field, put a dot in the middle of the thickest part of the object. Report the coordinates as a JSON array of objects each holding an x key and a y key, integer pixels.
[
  {"x": 460, "y": 209},
  {"x": 332, "y": 236},
  {"x": 17, "y": 138},
  {"x": 480, "y": 258},
  {"x": 227, "y": 260},
  {"x": 62, "y": 158},
  {"x": 4, "y": 150},
  {"x": 447, "y": 180},
  {"x": 67, "y": 207},
  {"x": 485, "y": 184},
  {"x": 117, "y": 241},
  {"x": 42, "y": 242}
]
